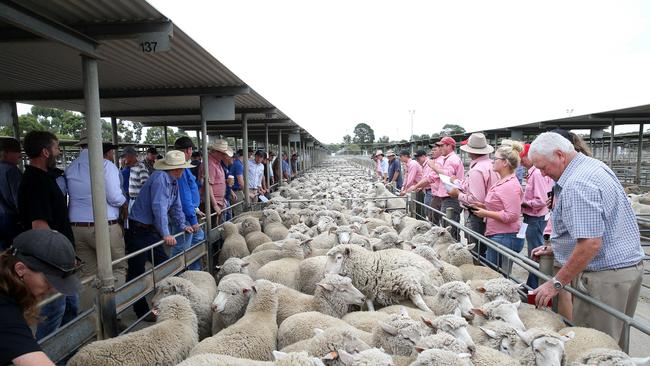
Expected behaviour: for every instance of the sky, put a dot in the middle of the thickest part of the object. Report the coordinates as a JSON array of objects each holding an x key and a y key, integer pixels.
[{"x": 480, "y": 64}]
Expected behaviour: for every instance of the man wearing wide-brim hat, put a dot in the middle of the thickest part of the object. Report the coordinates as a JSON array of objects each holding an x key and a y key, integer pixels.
[
  {"x": 381, "y": 167},
  {"x": 149, "y": 220},
  {"x": 218, "y": 155},
  {"x": 394, "y": 177},
  {"x": 479, "y": 179}
]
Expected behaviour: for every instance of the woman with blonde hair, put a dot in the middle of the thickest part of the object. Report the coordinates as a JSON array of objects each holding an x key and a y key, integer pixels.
[
  {"x": 502, "y": 207},
  {"x": 519, "y": 148}
]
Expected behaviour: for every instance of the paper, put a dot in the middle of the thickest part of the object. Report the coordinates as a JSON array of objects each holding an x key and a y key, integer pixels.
[
  {"x": 522, "y": 231},
  {"x": 263, "y": 198},
  {"x": 547, "y": 216},
  {"x": 446, "y": 180}
]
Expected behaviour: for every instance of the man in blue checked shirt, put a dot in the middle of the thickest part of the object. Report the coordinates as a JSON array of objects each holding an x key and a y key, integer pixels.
[
  {"x": 149, "y": 220},
  {"x": 190, "y": 200},
  {"x": 595, "y": 235}
]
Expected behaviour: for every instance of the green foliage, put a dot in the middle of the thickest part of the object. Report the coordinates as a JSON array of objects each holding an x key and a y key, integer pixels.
[
  {"x": 363, "y": 134},
  {"x": 425, "y": 136},
  {"x": 156, "y": 135},
  {"x": 383, "y": 140},
  {"x": 347, "y": 139},
  {"x": 353, "y": 148},
  {"x": 452, "y": 129}
]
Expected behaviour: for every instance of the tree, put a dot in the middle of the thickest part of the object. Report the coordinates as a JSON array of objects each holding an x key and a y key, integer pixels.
[
  {"x": 425, "y": 137},
  {"x": 452, "y": 129},
  {"x": 363, "y": 134},
  {"x": 384, "y": 140},
  {"x": 415, "y": 137},
  {"x": 156, "y": 136},
  {"x": 347, "y": 139}
]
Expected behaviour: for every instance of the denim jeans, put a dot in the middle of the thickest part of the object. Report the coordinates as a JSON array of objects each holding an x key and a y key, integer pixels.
[
  {"x": 137, "y": 238},
  {"x": 448, "y": 202},
  {"x": 56, "y": 314},
  {"x": 186, "y": 241},
  {"x": 477, "y": 224},
  {"x": 510, "y": 241},
  {"x": 534, "y": 239}
]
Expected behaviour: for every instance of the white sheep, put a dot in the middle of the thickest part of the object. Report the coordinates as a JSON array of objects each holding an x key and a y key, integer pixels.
[
  {"x": 252, "y": 232},
  {"x": 387, "y": 240},
  {"x": 289, "y": 248},
  {"x": 381, "y": 228},
  {"x": 200, "y": 297},
  {"x": 452, "y": 298},
  {"x": 399, "y": 334},
  {"x": 369, "y": 357},
  {"x": 486, "y": 356},
  {"x": 418, "y": 227},
  {"x": 281, "y": 359},
  {"x": 472, "y": 272},
  {"x": 167, "y": 342},
  {"x": 500, "y": 288},
  {"x": 273, "y": 226},
  {"x": 448, "y": 272},
  {"x": 459, "y": 254},
  {"x": 325, "y": 343},
  {"x": 453, "y": 325},
  {"x": 387, "y": 276},
  {"x": 229, "y": 305},
  {"x": 311, "y": 271},
  {"x": 301, "y": 326},
  {"x": 545, "y": 348},
  {"x": 584, "y": 340},
  {"x": 540, "y": 318},
  {"x": 365, "y": 320},
  {"x": 332, "y": 297},
  {"x": 234, "y": 244},
  {"x": 232, "y": 265},
  {"x": 400, "y": 220},
  {"x": 254, "y": 335},
  {"x": 498, "y": 335},
  {"x": 441, "y": 340},
  {"x": 441, "y": 357},
  {"x": 608, "y": 357},
  {"x": 500, "y": 310}
]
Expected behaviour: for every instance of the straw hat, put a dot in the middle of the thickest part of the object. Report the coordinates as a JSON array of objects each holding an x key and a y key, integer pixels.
[
  {"x": 390, "y": 153},
  {"x": 174, "y": 159},
  {"x": 379, "y": 152},
  {"x": 477, "y": 144},
  {"x": 83, "y": 138},
  {"x": 221, "y": 146}
]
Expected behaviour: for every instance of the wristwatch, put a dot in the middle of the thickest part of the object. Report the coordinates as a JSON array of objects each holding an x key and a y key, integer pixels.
[{"x": 557, "y": 284}]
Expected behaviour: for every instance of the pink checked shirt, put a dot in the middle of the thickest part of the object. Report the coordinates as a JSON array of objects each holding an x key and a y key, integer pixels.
[
  {"x": 537, "y": 188},
  {"x": 505, "y": 198},
  {"x": 453, "y": 166},
  {"x": 413, "y": 174},
  {"x": 479, "y": 180}
]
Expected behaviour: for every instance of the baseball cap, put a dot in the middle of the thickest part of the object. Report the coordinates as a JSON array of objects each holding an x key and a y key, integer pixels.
[
  {"x": 107, "y": 146},
  {"x": 196, "y": 154},
  {"x": 9, "y": 145},
  {"x": 446, "y": 141},
  {"x": 183, "y": 142},
  {"x": 420, "y": 153},
  {"x": 51, "y": 253},
  {"x": 152, "y": 150},
  {"x": 129, "y": 150}
]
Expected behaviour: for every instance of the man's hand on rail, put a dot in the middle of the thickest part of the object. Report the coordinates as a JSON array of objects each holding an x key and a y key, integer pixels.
[
  {"x": 544, "y": 294},
  {"x": 170, "y": 241},
  {"x": 199, "y": 213},
  {"x": 540, "y": 251},
  {"x": 195, "y": 228}
]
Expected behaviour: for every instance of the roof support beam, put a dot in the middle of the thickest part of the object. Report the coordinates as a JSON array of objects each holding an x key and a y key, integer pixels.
[
  {"x": 181, "y": 112},
  {"x": 217, "y": 91},
  {"x": 34, "y": 23}
]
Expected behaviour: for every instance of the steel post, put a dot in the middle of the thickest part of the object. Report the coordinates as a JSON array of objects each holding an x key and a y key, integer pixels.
[
  {"x": 244, "y": 131},
  {"x": 116, "y": 157},
  {"x": 639, "y": 155},
  {"x": 268, "y": 150},
  {"x": 611, "y": 143},
  {"x": 280, "y": 157},
  {"x": 15, "y": 121},
  {"x": 206, "y": 184},
  {"x": 166, "y": 139},
  {"x": 106, "y": 281}
]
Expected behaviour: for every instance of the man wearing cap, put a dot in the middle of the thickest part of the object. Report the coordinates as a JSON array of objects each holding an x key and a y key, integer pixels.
[
  {"x": 10, "y": 177},
  {"x": 451, "y": 165},
  {"x": 82, "y": 219},
  {"x": 477, "y": 182},
  {"x": 394, "y": 170},
  {"x": 150, "y": 159},
  {"x": 256, "y": 183},
  {"x": 413, "y": 171},
  {"x": 190, "y": 201},
  {"x": 196, "y": 162},
  {"x": 149, "y": 220},
  {"x": 218, "y": 152},
  {"x": 39, "y": 263}
]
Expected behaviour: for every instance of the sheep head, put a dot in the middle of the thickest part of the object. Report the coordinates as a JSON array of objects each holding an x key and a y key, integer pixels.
[
  {"x": 547, "y": 347},
  {"x": 172, "y": 286},
  {"x": 456, "y": 297},
  {"x": 453, "y": 325},
  {"x": 502, "y": 336},
  {"x": 174, "y": 307},
  {"x": 342, "y": 286},
  {"x": 501, "y": 310},
  {"x": 373, "y": 356}
]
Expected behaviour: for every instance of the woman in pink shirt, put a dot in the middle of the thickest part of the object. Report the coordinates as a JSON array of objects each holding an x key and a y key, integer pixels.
[{"x": 502, "y": 208}]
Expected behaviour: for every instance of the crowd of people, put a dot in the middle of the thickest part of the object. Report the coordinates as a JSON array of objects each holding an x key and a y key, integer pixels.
[
  {"x": 156, "y": 198},
  {"x": 550, "y": 195}
]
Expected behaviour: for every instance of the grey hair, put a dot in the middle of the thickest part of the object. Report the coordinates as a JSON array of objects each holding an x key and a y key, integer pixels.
[{"x": 547, "y": 143}]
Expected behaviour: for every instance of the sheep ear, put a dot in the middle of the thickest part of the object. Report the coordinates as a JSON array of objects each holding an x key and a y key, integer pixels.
[
  {"x": 388, "y": 328},
  {"x": 345, "y": 358},
  {"x": 326, "y": 286},
  {"x": 570, "y": 335},
  {"x": 464, "y": 355},
  {"x": 330, "y": 356},
  {"x": 428, "y": 322},
  {"x": 247, "y": 290},
  {"x": 332, "y": 230},
  {"x": 245, "y": 264},
  {"x": 218, "y": 268},
  {"x": 470, "y": 246},
  {"x": 521, "y": 285},
  {"x": 490, "y": 333},
  {"x": 524, "y": 336},
  {"x": 517, "y": 304},
  {"x": 480, "y": 312},
  {"x": 449, "y": 228},
  {"x": 419, "y": 349},
  {"x": 481, "y": 289},
  {"x": 277, "y": 355}
]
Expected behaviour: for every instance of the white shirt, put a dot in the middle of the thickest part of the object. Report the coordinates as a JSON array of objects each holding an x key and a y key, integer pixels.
[
  {"x": 255, "y": 174},
  {"x": 77, "y": 175}
]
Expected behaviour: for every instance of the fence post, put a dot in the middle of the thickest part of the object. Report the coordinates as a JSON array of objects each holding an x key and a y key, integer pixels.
[
  {"x": 410, "y": 207},
  {"x": 449, "y": 213}
]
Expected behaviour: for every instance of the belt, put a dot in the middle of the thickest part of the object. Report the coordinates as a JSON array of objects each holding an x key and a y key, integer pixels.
[
  {"x": 617, "y": 269},
  {"x": 133, "y": 223},
  {"x": 90, "y": 224},
  {"x": 428, "y": 190}
]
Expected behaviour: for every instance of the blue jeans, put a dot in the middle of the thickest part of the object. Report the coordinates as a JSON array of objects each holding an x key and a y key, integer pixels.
[
  {"x": 534, "y": 239},
  {"x": 56, "y": 314},
  {"x": 186, "y": 241},
  {"x": 510, "y": 241}
]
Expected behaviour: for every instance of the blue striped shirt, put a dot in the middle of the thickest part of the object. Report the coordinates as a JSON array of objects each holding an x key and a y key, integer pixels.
[{"x": 590, "y": 203}]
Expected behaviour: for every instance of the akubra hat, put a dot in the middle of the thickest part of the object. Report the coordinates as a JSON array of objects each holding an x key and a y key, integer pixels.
[
  {"x": 174, "y": 159},
  {"x": 221, "y": 146},
  {"x": 477, "y": 144}
]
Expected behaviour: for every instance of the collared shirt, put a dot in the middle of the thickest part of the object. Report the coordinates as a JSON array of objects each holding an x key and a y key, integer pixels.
[
  {"x": 255, "y": 174},
  {"x": 236, "y": 170},
  {"x": 217, "y": 180},
  {"x": 383, "y": 164},
  {"x": 393, "y": 167},
  {"x": 126, "y": 172},
  {"x": 149, "y": 165},
  {"x": 157, "y": 202},
  {"x": 189, "y": 193},
  {"x": 286, "y": 168},
  {"x": 77, "y": 176},
  {"x": 10, "y": 177},
  {"x": 452, "y": 166},
  {"x": 433, "y": 178},
  {"x": 536, "y": 194},
  {"x": 480, "y": 178},
  {"x": 504, "y": 197},
  {"x": 413, "y": 173},
  {"x": 589, "y": 202},
  {"x": 137, "y": 178}
]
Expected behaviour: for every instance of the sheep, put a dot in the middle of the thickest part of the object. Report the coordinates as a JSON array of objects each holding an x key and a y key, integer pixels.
[
  {"x": 254, "y": 335},
  {"x": 500, "y": 310},
  {"x": 252, "y": 232},
  {"x": 459, "y": 254},
  {"x": 234, "y": 244},
  {"x": 273, "y": 226},
  {"x": 442, "y": 358},
  {"x": 545, "y": 347},
  {"x": 399, "y": 334},
  {"x": 452, "y": 298},
  {"x": 230, "y": 303},
  {"x": 440, "y": 238},
  {"x": 419, "y": 227},
  {"x": 500, "y": 288},
  {"x": 333, "y": 296},
  {"x": 472, "y": 272},
  {"x": 281, "y": 359},
  {"x": 608, "y": 357},
  {"x": 301, "y": 326},
  {"x": 200, "y": 299},
  {"x": 448, "y": 272},
  {"x": 369, "y": 357},
  {"x": 540, "y": 318},
  {"x": 441, "y": 340},
  {"x": 232, "y": 265},
  {"x": 400, "y": 220},
  {"x": 381, "y": 229},
  {"x": 365, "y": 320},
  {"x": 386, "y": 276},
  {"x": 585, "y": 339},
  {"x": 413, "y": 313},
  {"x": 486, "y": 356},
  {"x": 310, "y": 272},
  {"x": 387, "y": 241},
  {"x": 324, "y": 342},
  {"x": 167, "y": 342},
  {"x": 498, "y": 335},
  {"x": 453, "y": 325},
  {"x": 289, "y": 248}
]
